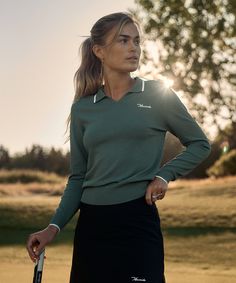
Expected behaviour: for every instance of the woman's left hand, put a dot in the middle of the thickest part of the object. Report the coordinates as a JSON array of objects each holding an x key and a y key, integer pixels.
[{"x": 156, "y": 190}]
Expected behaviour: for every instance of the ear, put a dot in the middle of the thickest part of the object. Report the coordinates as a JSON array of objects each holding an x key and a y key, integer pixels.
[{"x": 98, "y": 51}]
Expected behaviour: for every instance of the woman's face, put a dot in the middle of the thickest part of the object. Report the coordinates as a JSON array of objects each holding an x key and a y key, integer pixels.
[{"x": 123, "y": 53}]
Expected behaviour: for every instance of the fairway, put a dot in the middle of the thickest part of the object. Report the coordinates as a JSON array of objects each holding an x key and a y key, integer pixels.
[{"x": 186, "y": 261}]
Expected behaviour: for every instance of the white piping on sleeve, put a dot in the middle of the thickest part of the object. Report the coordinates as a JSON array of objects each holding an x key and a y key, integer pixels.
[
  {"x": 55, "y": 225},
  {"x": 162, "y": 178}
]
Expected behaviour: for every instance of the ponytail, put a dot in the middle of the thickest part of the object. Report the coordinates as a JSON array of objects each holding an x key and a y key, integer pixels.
[{"x": 88, "y": 78}]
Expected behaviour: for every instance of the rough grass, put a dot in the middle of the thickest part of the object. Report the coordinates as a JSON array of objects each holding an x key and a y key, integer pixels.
[
  {"x": 28, "y": 176},
  {"x": 32, "y": 212},
  {"x": 208, "y": 203},
  {"x": 31, "y": 189}
]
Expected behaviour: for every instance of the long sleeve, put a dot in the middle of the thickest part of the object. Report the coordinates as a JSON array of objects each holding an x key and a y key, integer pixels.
[
  {"x": 180, "y": 123},
  {"x": 71, "y": 197}
]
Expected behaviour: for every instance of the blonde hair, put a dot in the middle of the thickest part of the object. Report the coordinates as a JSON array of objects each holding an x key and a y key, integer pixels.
[{"x": 89, "y": 76}]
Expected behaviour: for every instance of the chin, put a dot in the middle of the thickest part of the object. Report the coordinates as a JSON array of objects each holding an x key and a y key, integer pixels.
[{"x": 131, "y": 69}]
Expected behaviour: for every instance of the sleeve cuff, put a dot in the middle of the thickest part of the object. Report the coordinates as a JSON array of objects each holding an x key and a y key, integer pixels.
[
  {"x": 55, "y": 225},
  {"x": 162, "y": 179}
]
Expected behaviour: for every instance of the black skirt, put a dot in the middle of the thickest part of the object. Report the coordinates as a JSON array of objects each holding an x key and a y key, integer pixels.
[{"x": 119, "y": 243}]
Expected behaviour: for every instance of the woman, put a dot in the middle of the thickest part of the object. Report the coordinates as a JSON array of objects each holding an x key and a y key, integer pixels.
[{"x": 117, "y": 131}]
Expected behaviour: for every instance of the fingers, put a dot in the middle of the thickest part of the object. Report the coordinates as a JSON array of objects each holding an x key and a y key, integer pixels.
[
  {"x": 156, "y": 190},
  {"x": 34, "y": 246},
  {"x": 160, "y": 196},
  {"x": 157, "y": 195},
  {"x": 32, "y": 243},
  {"x": 152, "y": 196},
  {"x": 40, "y": 248},
  {"x": 148, "y": 197}
]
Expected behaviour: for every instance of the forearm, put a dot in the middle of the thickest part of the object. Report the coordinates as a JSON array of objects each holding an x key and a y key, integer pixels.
[
  {"x": 186, "y": 161},
  {"x": 69, "y": 203}
]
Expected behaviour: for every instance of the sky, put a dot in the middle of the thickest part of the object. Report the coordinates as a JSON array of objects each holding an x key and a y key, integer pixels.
[{"x": 39, "y": 55}]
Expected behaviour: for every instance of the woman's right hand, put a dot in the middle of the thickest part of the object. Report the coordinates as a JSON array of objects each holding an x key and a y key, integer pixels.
[{"x": 37, "y": 241}]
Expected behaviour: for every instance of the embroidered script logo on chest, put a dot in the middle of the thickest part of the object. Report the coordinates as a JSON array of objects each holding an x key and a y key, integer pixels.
[{"x": 143, "y": 106}]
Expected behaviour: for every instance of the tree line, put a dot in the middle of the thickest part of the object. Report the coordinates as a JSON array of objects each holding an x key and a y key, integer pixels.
[{"x": 38, "y": 158}]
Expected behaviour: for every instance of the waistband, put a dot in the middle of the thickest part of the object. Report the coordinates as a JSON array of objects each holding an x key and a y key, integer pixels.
[{"x": 132, "y": 205}]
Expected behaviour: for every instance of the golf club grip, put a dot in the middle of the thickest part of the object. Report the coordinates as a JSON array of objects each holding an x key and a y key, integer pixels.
[{"x": 38, "y": 269}]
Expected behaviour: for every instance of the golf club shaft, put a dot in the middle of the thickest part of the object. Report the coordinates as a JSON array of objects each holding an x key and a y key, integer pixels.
[{"x": 38, "y": 269}]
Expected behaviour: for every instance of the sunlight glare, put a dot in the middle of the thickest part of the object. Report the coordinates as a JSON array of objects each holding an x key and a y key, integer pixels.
[
  {"x": 224, "y": 146},
  {"x": 167, "y": 82}
]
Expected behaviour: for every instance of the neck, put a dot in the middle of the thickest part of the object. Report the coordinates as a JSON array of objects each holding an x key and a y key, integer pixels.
[{"x": 116, "y": 84}]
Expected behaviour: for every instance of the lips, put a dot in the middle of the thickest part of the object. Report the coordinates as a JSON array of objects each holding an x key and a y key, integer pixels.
[{"x": 132, "y": 58}]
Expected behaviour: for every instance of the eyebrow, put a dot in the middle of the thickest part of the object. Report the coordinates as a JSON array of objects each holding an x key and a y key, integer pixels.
[{"x": 128, "y": 36}]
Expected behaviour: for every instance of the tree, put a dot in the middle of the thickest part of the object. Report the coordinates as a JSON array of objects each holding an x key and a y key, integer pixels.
[
  {"x": 4, "y": 157},
  {"x": 196, "y": 43},
  {"x": 37, "y": 157},
  {"x": 44, "y": 159},
  {"x": 57, "y": 162},
  {"x": 226, "y": 138}
]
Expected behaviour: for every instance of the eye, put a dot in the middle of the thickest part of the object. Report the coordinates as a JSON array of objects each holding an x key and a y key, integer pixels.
[
  {"x": 123, "y": 40},
  {"x": 137, "y": 41}
]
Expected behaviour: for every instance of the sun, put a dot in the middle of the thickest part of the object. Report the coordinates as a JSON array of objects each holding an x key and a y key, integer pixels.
[{"x": 167, "y": 82}]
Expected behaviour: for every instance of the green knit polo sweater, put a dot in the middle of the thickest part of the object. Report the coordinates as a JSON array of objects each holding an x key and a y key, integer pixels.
[{"x": 116, "y": 147}]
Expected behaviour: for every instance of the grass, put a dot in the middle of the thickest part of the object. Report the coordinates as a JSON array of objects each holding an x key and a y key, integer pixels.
[
  {"x": 198, "y": 219},
  {"x": 27, "y": 176},
  {"x": 204, "y": 204},
  {"x": 33, "y": 212},
  {"x": 204, "y": 258}
]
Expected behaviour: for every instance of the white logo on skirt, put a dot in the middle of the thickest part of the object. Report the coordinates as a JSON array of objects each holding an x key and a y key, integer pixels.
[{"x": 138, "y": 279}]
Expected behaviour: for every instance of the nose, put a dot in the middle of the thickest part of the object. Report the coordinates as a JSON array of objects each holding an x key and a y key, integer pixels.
[{"x": 132, "y": 45}]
